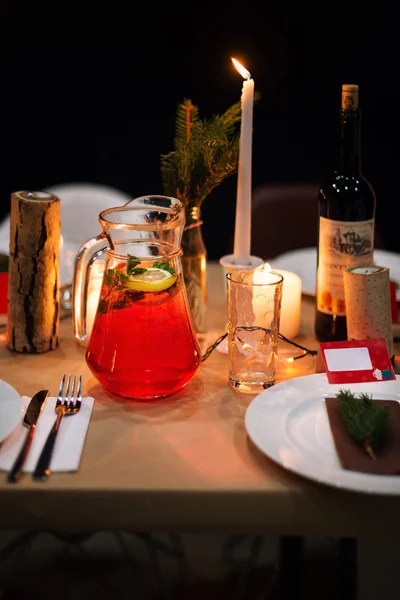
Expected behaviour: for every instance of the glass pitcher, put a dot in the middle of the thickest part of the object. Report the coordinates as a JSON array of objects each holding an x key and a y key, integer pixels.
[{"x": 142, "y": 343}]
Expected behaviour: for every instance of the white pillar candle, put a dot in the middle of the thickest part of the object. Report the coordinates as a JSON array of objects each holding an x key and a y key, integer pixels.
[
  {"x": 291, "y": 304},
  {"x": 291, "y": 299},
  {"x": 243, "y": 199}
]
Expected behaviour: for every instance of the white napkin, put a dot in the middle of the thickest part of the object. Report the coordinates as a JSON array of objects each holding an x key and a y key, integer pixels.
[{"x": 69, "y": 443}]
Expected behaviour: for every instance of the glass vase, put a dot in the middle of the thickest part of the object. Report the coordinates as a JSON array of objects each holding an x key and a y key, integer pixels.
[{"x": 194, "y": 267}]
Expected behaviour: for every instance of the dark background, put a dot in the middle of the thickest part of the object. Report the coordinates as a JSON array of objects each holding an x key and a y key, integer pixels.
[{"x": 89, "y": 93}]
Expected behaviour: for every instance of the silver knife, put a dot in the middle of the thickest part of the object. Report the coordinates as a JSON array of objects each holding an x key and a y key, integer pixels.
[{"x": 30, "y": 419}]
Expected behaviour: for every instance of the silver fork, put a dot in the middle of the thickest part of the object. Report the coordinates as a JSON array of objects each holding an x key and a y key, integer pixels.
[{"x": 67, "y": 404}]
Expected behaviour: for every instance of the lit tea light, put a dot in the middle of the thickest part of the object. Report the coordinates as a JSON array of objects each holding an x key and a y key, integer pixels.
[{"x": 262, "y": 276}]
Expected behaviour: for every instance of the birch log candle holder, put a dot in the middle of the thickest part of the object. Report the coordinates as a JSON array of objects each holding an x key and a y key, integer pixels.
[
  {"x": 33, "y": 282},
  {"x": 367, "y": 299}
]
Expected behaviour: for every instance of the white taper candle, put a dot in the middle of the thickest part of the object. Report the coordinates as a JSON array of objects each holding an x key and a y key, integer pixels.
[{"x": 242, "y": 237}]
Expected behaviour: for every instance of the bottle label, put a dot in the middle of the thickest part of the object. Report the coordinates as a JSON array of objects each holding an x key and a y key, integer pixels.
[{"x": 342, "y": 244}]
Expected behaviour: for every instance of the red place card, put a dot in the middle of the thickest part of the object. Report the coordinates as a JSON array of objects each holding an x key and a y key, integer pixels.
[{"x": 357, "y": 361}]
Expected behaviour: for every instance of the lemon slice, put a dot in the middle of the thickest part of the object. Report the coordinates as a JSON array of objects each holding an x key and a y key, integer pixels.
[{"x": 152, "y": 280}]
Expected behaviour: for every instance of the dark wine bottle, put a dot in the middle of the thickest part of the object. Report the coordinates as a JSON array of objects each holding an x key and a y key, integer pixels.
[{"x": 346, "y": 223}]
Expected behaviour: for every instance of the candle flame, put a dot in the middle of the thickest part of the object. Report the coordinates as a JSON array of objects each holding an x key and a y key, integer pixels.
[
  {"x": 262, "y": 274},
  {"x": 244, "y": 72}
]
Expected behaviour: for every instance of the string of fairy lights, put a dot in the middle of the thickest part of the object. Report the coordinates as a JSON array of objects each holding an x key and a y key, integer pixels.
[{"x": 268, "y": 332}]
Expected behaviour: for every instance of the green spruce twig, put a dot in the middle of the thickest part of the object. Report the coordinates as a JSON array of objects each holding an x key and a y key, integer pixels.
[
  {"x": 366, "y": 422},
  {"x": 205, "y": 153}
]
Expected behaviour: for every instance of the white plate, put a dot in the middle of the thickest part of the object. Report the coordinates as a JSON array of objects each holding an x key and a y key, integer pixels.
[
  {"x": 289, "y": 423},
  {"x": 303, "y": 262},
  {"x": 10, "y": 409}
]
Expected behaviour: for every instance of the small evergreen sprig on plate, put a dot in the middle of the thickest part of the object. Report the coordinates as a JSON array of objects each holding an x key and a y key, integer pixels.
[{"x": 366, "y": 422}]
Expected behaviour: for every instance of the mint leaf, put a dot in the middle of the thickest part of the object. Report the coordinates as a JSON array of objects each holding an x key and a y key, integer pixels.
[
  {"x": 133, "y": 261},
  {"x": 139, "y": 271},
  {"x": 120, "y": 276},
  {"x": 109, "y": 277},
  {"x": 114, "y": 277},
  {"x": 164, "y": 266}
]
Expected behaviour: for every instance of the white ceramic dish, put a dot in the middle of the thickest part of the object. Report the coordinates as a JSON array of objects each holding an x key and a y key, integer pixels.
[
  {"x": 303, "y": 262},
  {"x": 11, "y": 409},
  {"x": 289, "y": 423}
]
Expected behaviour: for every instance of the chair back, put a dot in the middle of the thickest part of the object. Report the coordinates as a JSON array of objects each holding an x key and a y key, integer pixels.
[{"x": 284, "y": 218}]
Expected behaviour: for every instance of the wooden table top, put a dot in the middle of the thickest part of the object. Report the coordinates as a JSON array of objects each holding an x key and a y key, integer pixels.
[{"x": 179, "y": 464}]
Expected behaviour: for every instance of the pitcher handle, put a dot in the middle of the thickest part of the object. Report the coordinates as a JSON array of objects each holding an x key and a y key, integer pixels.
[{"x": 84, "y": 259}]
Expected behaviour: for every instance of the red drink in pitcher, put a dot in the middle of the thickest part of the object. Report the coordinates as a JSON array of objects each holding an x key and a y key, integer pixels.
[{"x": 142, "y": 344}]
